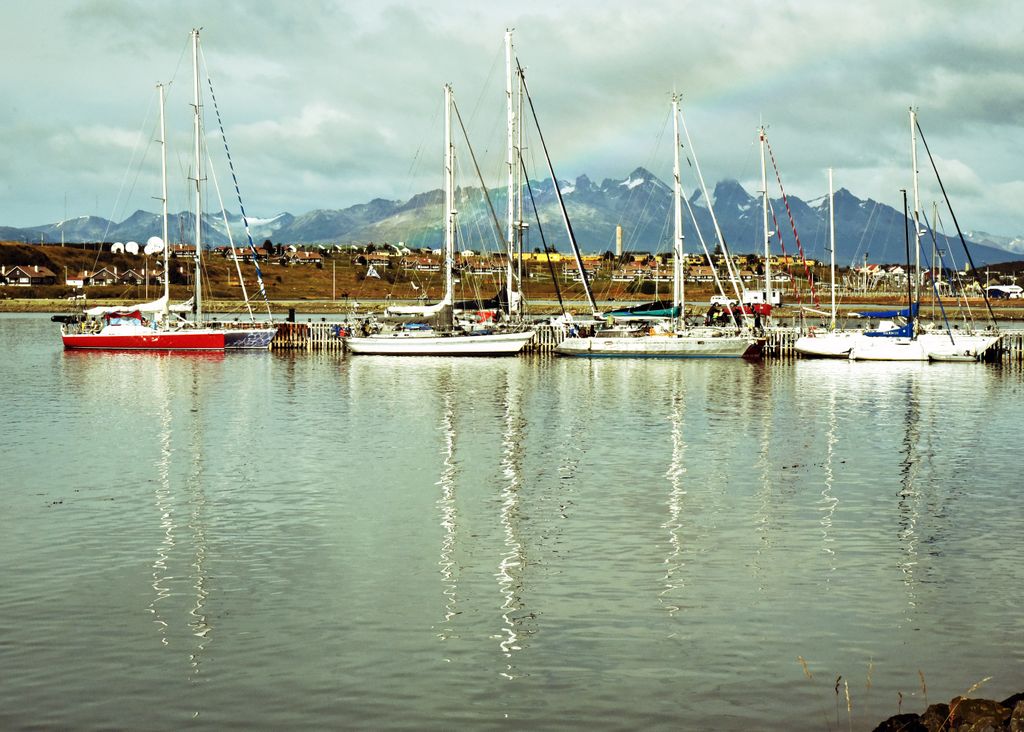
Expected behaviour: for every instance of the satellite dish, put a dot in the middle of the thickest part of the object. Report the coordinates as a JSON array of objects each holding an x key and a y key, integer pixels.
[
  {"x": 154, "y": 245},
  {"x": 132, "y": 247},
  {"x": 117, "y": 247}
]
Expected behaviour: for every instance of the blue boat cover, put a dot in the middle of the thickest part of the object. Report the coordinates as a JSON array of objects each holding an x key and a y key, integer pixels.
[
  {"x": 904, "y": 331},
  {"x": 904, "y": 313}
]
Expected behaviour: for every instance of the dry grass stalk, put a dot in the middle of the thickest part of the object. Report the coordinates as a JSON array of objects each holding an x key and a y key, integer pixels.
[
  {"x": 953, "y": 706},
  {"x": 849, "y": 704},
  {"x": 978, "y": 684}
]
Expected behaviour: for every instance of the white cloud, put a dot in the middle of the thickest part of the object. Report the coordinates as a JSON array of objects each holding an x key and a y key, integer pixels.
[
  {"x": 328, "y": 104},
  {"x": 97, "y": 137}
]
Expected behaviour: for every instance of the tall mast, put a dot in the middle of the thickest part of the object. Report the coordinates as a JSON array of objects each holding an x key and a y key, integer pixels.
[
  {"x": 832, "y": 246},
  {"x": 199, "y": 205},
  {"x": 678, "y": 293},
  {"x": 449, "y": 199},
  {"x": 917, "y": 207},
  {"x": 520, "y": 224},
  {"x": 163, "y": 199},
  {"x": 934, "y": 262},
  {"x": 767, "y": 233},
  {"x": 510, "y": 129}
]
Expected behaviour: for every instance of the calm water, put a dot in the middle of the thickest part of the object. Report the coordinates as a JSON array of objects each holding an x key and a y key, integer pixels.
[{"x": 269, "y": 541}]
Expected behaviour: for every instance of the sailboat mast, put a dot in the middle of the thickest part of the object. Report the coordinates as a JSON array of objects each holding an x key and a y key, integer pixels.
[
  {"x": 510, "y": 128},
  {"x": 678, "y": 293},
  {"x": 917, "y": 207},
  {"x": 163, "y": 199},
  {"x": 767, "y": 233},
  {"x": 449, "y": 199},
  {"x": 832, "y": 246},
  {"x": 520, "y": 224},
  {"x": 198, "y": 309}
]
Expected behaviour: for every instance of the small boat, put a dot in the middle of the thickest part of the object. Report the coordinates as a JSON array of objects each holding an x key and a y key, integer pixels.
[
  {"x": 829, "y": 344},
  {"x": 965, "y": 357},
  {"x": 960, "y": 348}
]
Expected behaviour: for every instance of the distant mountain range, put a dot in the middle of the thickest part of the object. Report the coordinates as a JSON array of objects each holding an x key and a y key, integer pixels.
[{"x": 640, "y": 203}]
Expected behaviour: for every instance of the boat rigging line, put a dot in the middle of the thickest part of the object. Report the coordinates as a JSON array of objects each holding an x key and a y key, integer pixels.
[
  {"x": 736, "y": 281},
  {"x": 558, "y": 193},
  {"x": 792, "y": 223},
  {"x": 487, "y": 195},
  {"x": 543, "y": 240},
  {"x": 959, "y": 233},
  {"x": 241, "y": 206}
]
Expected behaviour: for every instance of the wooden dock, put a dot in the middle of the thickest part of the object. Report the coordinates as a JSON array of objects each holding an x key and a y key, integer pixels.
[{"x": 779, "y": 342}]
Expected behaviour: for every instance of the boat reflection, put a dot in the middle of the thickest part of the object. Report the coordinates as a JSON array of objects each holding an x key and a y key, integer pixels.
[
  {"x": 829, "y": 501},
  {"x": 178, "y": 611},
  {"x": 910, "y": 496},
  {"x": 672, "y": 579},
  {"x": 512, "y": 563},
  {"x": 140, "y": 357},
  {"x": 474, "y": 407},
  {"x": 448, "y": 511}
]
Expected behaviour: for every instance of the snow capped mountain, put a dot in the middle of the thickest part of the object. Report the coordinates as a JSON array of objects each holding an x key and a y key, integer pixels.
[
  {"x": 632, "y": 183},
  {"x": 1009, "y": 243},
  {"x": 640, "y": 203}
]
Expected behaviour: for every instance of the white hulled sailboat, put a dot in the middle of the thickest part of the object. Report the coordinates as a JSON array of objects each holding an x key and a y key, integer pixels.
[
  {"x": 442, "y": 340},
  {"x": 676, "y": 340}
]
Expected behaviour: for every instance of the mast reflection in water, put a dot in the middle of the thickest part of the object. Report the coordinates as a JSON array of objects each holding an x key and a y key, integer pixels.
[
  {"x": 180, "y": 594},
  {"x": 290, "y": 541}
]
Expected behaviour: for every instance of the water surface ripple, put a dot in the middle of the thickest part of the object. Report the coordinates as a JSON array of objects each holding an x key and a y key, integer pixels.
[{"x": 278, "y": 541}]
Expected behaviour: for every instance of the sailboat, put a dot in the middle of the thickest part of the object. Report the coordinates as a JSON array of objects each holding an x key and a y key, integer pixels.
[
  {"x": 909, "y": 342},
  {"x": 443, "y": 339},
  {"x": 832, "y": 343},
  {"x": 675, "y": 340},
  {"x": 248, "y": 337},
  {"x": 156, "y": 326},
  {"x": 147, "y": 326}
]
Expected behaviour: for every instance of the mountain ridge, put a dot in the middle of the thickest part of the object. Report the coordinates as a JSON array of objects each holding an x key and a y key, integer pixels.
[{"x": 640, "y": 203}]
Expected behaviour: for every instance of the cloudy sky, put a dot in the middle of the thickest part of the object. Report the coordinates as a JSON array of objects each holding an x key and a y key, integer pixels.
[{"x": 332, "y": 103}]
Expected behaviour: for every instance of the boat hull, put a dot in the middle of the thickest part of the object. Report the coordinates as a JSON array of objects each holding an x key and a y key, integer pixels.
[
  {"x": 962, "y": 348},
  {"x": 826, "y": 345},
  {"x": 885, "y": 348},
  {"x": 658, "y": 346},
  {"x": 186, "y": 340},
  {"x": 926, "y": 347},
  {"x": 493, "y": 344},
  {"x": 248, "y": 339}
]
